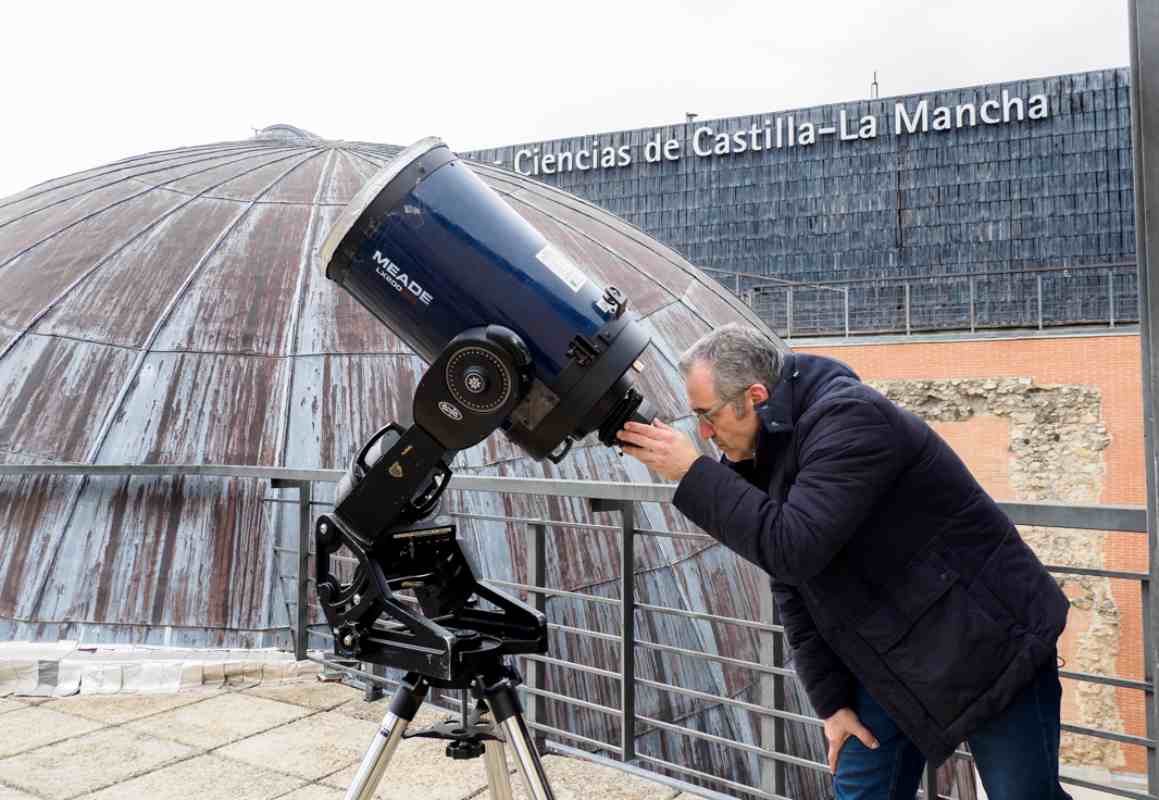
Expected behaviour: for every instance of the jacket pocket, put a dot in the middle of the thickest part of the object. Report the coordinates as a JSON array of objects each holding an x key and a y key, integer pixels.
[{"x": 939, "y": 638}]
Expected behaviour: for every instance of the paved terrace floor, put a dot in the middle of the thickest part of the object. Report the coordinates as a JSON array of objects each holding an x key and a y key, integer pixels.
[{"x": 297, "y": 740}]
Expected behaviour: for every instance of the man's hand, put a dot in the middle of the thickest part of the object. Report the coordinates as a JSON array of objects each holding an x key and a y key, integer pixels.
[
  {"x": 667, "y": 451},
  {"x": 839, "y": 727}
]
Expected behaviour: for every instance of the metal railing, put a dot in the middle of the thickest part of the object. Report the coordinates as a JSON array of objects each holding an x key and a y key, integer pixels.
[
  {"x": 1033, "y": 298},
  {"x": 770, "y": 672}
]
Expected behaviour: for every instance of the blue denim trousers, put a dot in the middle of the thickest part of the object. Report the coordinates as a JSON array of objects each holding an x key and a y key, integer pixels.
[{"x": 1016, "y": 752}]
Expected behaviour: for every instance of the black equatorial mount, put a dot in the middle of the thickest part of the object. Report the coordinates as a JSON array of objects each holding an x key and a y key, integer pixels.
[
  {"x": 449, "y": 640},
  {"x": 394, "y": 482}
]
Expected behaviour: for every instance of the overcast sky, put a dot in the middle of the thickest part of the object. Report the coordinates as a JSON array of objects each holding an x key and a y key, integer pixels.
[{"x": 87, "y": 83}]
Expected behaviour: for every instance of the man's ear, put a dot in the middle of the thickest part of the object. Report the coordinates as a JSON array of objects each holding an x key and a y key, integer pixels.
[{"x": 758, "y": 393}]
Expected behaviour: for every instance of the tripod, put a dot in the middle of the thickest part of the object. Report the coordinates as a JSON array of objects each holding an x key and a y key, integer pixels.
[{"x": 473, "y": 736}]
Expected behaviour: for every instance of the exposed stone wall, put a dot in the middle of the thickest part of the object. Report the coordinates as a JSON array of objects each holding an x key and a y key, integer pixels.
[{"x": 1056, "y": 445}]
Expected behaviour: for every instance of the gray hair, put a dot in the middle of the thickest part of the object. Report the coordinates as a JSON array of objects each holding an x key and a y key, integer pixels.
[{"x": 738, "y": 356}]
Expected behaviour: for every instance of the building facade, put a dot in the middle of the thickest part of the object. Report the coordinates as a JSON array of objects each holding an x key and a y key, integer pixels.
[{"x": 989, "y": 182}]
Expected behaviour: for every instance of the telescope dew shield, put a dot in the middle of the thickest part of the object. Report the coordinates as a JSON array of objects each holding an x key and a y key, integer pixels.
[{"x": 433, "y": 251}]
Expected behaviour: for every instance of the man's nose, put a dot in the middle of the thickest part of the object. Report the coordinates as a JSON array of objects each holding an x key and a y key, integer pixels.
[{"x": 704, "y": 429}]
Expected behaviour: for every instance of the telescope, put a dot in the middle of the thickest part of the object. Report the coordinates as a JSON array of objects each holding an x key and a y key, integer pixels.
[{"x": 519, "y": 339}]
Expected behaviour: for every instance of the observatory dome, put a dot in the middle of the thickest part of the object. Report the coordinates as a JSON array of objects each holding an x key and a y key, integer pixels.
[{"x": 169, "y": 309}]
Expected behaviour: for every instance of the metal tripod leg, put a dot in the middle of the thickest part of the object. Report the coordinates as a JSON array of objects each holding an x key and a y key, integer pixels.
[
  {"x": 402, "y": 712},
  {"x": 504, "y": 705},
  {"x": 498, "y": 779}
]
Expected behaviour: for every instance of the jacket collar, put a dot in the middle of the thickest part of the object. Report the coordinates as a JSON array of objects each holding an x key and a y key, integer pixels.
[
  {"x": 805, "y": 378},
  {"x": 777, "y": 414}
]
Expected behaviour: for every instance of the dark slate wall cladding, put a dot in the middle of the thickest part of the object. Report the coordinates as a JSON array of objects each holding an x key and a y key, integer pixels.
[{"x": 1044, "y": 192}]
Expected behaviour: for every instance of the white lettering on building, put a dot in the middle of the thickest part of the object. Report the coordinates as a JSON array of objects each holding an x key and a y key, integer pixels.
[{"x": 910, "y": 117}]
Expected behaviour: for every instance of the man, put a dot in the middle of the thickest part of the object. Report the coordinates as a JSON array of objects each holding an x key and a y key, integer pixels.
[{"x": 917, "y": 615}]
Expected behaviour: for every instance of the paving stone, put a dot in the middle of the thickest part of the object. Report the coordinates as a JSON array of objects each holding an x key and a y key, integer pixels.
[
  {"x": 311, "y": 694},
  {"x": 31, "y": 727},
  {"x": 117, "y": 708},
  {"x": 576, "y": 779},
  {"x": 7, "y": 793},
  {"x": 222, "y": 719},
  {"x": 10, "y": 705},
  {"x": 216, "y": 778},
  {"x": 374, "y": 712},
  {"x": 420, "y": 768},
  {"x": 310, "y": 748},
  {"x": 314, "y": 792},
  {"x": 88, "y": 763}
]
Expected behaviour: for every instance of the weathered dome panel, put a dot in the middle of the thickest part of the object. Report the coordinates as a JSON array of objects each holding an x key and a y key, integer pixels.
[
  {"x": 198, "y": 408},
  {"x": 56, "y": 391},
  {"x": 140, "y": 281},
  {"x": 240, "y": 299},
  {"x": 208, "y": 567},
  {"x": 337, "y": 402},
  {"x": 209, "y": 175},
  {"x": 57, "y": 256},
  {"x": 346, "y": 180}
]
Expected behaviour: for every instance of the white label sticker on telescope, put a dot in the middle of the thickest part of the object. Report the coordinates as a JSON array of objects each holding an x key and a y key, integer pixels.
[{"x": 562, "y": 266}]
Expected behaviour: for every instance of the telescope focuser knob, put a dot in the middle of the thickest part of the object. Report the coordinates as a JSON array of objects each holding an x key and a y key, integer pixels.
[{"x": 612, "y": 304}]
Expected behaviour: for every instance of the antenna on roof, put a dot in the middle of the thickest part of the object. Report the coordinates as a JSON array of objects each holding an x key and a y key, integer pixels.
[{"x": 873, "y": 87}]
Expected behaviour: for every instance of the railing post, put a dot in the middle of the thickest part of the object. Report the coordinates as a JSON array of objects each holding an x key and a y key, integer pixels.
[
  {"x": 973, "y": 319},
  {"x": 846, "y": 312},
  {"x": 789, "y": 313},
  {"x": 1111, "y": 296},
  {"x": 931, "y": 782},
  {"x": 627, "y": 620},
  {"x": 537, "y": 670},
  {"x": 1039, "y": 282},
  {"x": 305, "y": 528},
  {"x": 302, "y": 578},
  {"x": 1143, "y": 20},
  {"x": 738, "y": 284},
  {"x": 908, "y": 328},
  {"x": 772, "y": 695}
]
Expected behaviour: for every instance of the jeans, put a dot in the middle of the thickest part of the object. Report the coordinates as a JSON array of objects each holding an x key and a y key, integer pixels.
[{"x": 1016, "y": 752}]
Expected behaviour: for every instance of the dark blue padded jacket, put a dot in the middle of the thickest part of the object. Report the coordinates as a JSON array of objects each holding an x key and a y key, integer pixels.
[{"x": 890, "y": 564}]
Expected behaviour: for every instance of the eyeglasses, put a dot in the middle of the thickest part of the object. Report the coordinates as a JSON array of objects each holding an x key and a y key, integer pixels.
[{"x": 705, "y": 417}]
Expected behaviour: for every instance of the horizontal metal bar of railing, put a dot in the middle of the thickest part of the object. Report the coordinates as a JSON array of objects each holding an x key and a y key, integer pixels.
[
  {"x": 897, "y": 281},
  {"x": 1102, "y": 787},
  {"x": 571, "y": 701},
  {"x": 1099, "y": 573},
  {"x": 784, "y": 758},
  {"x": 1110, "y": 518},
  {"x": 592, "y": 526},
  {"x": 1122, "y": 738},
  {"x": 606, "y": 637},
  {"x": 1108, "y": 788},
  {"x": 747, "y": 623},
  {"x": 651, "y": 775},
  {"x": 610, "y": 601},
  {"x": 1106, "y": 680},
  {"x": 704, "y": 776},
  {"x": 539, "y": 726},
  {"x": 736, "y": 662},
  {"x": 1124, "y": 519},
  {"x": 558, "y": 662},
  {"x": 730, "y": 701}
]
